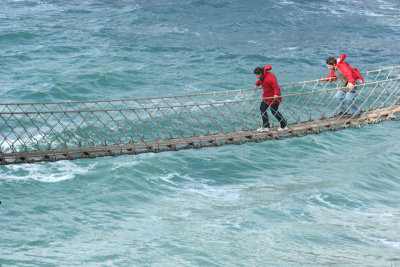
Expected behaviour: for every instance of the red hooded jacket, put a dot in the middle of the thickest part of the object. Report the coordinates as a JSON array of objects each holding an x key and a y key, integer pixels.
[
  {"x": 270, "y": 86},
  {"x": 351, "y": 74}
]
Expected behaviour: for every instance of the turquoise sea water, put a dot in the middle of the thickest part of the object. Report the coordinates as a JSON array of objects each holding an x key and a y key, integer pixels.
[{"x": 323, "y": 200}]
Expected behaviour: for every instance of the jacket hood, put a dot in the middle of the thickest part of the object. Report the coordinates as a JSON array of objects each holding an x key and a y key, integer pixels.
[
  {"x": 342, "y": 58},
  {"x": 267, "y": 68}
]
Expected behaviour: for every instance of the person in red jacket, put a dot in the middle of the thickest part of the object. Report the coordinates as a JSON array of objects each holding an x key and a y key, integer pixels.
[
  {"x": 271, "y": 97},
  {"x": 349, "y": 78}
]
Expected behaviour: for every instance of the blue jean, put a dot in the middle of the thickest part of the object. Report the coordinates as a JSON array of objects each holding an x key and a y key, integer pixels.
[{"x": 347, "y": 104}]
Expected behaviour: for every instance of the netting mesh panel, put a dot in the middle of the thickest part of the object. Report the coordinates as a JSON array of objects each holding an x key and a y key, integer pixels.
[{"x": 27, "y": 127}]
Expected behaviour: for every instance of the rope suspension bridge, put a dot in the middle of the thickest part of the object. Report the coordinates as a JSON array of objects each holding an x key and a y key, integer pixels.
[{"x": 33, "y": 132}]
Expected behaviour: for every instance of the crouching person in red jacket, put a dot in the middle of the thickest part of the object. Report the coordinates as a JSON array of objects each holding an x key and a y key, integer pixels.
[
  {"x": 349, "y": 78},
  {"x": 271, "y": 98}
]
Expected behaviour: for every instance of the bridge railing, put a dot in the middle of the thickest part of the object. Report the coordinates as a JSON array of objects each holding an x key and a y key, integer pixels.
[{"x": 27, "y": 127}]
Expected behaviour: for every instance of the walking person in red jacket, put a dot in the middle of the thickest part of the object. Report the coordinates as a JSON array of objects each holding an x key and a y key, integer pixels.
[
  {"x": 271, "y": 98},
  {"x": 349, "y": 78}
]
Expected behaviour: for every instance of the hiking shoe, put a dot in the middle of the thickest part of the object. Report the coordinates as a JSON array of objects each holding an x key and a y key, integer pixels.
[
  {"x": 280, "y": 129},
  {"x": 263, "y": 129}
]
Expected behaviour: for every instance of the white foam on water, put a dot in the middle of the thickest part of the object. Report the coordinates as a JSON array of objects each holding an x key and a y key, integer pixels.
[
  {"x": 125, "y": 164},
  {"x": 382, "y": 10},
  {"x": 18, "y": 144},
  {"x": 371, "y": 236},
  {"x": 290, "y": 48},
  {"x": 168, "y": 178},
  {"x": 370, "y": 13},
  {"x": 386, "y": 5},
  {"x": 222, "y": 194},
  {"x": 392, "y": 244},
  {"x": 132, "y": 161},
  {"x": 171, "y": 178},
  {"x": 285, "y": 2},
  {"x": 376, "y": 227},
  {"x": 49, "y": 172},
  {"x": 162, "y": 29},
  {"x": 320, "y": 199},
  {"x": 252, "y": 41},
  {"x": 371, "y": 214},
  {"x": 192, "y": 88}
]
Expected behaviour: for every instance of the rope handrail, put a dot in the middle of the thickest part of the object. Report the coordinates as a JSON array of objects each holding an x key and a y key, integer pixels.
[{"x": 188, "y": 105}]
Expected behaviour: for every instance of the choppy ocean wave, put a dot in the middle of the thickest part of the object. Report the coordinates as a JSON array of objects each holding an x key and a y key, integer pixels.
[{"x": 327, "y": 199}]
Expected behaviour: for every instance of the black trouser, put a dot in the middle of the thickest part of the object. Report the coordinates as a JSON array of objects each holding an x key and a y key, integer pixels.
[{"x": 274, "y": 110}]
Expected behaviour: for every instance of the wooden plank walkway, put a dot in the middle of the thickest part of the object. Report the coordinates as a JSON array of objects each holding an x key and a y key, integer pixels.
[{"x": 238, "y": 137}]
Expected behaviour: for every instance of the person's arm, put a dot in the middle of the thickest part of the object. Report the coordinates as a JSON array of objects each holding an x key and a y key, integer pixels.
[
  {"x": 331, "y": 77},
  {"x": 275, "y": 86},
  {"x": 258, "y": 83}
]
